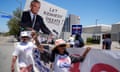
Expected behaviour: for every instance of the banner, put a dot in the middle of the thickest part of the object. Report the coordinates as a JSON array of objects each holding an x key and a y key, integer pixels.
[
  {"x": 41, "y": 61},
  {"x": 97, "y": 61},
  {"x": 53, "y": 16}
]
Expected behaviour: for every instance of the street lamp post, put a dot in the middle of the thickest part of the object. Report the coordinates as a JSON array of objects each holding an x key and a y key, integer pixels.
[
  {"x": 101, "y": 36},
  {"x": 95, "y": 32},
  {"x": 96, "y": 21}
]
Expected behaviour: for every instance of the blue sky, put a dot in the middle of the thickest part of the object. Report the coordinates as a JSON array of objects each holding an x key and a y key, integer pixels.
[{"x": 107, "y": 11}]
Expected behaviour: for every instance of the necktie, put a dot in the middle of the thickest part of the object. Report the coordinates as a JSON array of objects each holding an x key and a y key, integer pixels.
[
  {"x": 33, "y": 21},
  {"x": 33, "y": 18}
]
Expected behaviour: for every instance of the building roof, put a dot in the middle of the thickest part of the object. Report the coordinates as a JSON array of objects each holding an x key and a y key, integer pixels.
[{"x": 98, "y": 25}]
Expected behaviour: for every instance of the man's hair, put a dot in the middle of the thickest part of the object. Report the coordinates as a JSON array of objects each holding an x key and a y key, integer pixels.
[{"x": 35, "y": 1}]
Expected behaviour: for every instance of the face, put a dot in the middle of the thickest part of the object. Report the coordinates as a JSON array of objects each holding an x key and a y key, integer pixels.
[
  {"x": 24, "y": 39},
  {"x": 61, "y": 49},
  {"x": 35, "y": 7}
]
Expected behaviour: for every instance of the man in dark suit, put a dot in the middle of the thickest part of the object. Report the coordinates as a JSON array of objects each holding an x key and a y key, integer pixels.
[{"x": 32, "y": 21}]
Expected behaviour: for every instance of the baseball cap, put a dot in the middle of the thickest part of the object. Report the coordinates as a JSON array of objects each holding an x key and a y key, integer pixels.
[{"x": 24, "y": 34}]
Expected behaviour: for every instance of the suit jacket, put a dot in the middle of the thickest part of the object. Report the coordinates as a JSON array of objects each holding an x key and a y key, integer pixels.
[{"x": 39, "y": 24}]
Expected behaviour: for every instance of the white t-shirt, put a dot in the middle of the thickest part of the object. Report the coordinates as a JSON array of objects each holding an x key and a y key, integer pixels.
[
  {"x": 23, "y": 51},
  {"x": 62, "y": 63}
]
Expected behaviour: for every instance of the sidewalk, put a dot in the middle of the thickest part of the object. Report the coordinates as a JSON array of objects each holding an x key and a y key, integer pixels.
[{"x": 114, "y": 46}]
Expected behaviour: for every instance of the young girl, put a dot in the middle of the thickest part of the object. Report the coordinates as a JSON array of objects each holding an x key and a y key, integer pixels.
[{"x": 61, "y": 59}]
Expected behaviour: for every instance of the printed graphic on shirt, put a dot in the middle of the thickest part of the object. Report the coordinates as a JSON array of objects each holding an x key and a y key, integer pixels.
[{"x": 64, "y": 62}]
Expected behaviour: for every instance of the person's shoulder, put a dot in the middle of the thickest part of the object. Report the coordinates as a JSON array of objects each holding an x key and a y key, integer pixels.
[
  {"x": 25, "y": 12},
  {"x": 39, "y": 16},
  {"x": 30, "y": 43},
  {"x": 17, "y": 44}
]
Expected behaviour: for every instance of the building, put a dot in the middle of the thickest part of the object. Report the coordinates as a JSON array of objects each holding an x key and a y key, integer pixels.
[
  {"x": 100, "y": 28},
  {"x": 92, "y": 31},
  {"x": 95, "y": 31},
  {"x": 74, "y": 19},
  {"x": 115, "y": 32},
  {"x": 67, "y": 28}
]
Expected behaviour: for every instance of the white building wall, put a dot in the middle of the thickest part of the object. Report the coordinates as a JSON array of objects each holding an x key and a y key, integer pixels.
[
  {"x": 115, "y": 33},
  {"x": 85, "y": 36},
  {"x": 96, "y": 31}
]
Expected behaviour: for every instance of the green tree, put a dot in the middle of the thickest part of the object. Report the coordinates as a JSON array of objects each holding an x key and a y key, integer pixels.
[{"x": 14, "y": 22}]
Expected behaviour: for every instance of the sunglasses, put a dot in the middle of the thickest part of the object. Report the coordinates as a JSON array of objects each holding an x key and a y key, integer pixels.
[
  {"x": 24, "y": 37},
  {"x": 63, "y": 45}
]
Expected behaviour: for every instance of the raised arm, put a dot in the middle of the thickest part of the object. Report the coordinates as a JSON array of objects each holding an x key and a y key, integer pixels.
[
  {"x": 86, "y": 52},
  {"x": 75, "y": 59},
  {"x": 34, "y": 36}
]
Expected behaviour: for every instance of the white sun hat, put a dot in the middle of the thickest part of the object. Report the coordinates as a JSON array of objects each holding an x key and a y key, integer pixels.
[
  {"x": 59, "y": 42},
  {"x": 24, "y": 33}
]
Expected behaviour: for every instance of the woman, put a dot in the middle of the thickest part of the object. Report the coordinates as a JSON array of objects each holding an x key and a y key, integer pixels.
[{"x": 61, "y": 59}]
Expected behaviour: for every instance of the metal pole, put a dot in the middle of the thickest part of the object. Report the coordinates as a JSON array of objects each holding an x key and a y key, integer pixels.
[
  {"x": 96, "y": 29},
  {"x": 3, "y": 12},
  {"x": 96, "y": 22}
]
